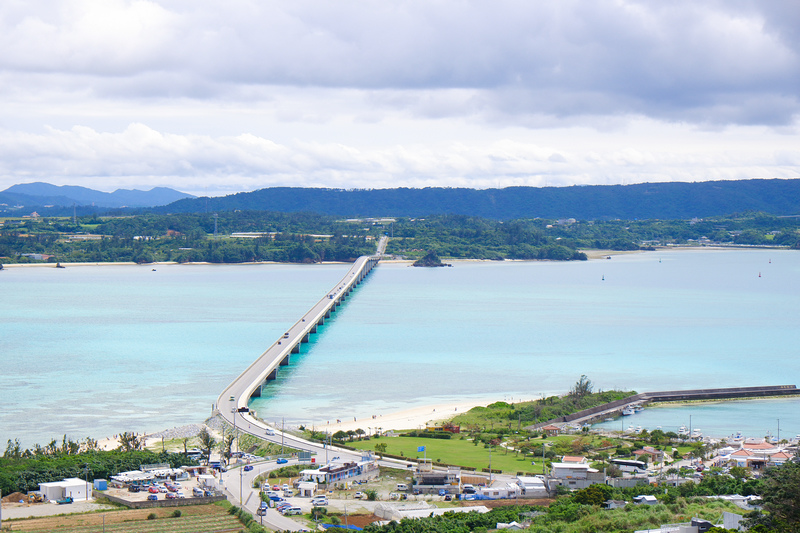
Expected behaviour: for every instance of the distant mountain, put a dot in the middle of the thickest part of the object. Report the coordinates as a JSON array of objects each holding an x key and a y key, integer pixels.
[
  {"x": 41, "y": 194},
  {"x": 676, "y": 200}
]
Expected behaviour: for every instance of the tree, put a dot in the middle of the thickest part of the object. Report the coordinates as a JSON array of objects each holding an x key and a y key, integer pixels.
[
  {"x": 581, "y": 388},
  {"x": 781, "y": 496},
  {"x": 381, "y": 448},
  {"x": 130, "y": 441},
  {"x": 207, "y": 442}
]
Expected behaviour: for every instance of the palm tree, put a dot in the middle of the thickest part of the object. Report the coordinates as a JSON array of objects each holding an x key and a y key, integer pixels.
[{"x": 207, "y": 442}]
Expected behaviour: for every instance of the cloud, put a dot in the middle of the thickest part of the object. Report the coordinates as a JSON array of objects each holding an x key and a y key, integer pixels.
[
  {"x": 673, "y": 61},
  {"x": 142, "y": 157},
  {"x": 203, "y": 95}
]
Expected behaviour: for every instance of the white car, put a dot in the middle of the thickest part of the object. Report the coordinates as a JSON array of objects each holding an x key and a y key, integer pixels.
[
  {"x": 317, "y": 502},
  {"x": 359, "y": 495}
]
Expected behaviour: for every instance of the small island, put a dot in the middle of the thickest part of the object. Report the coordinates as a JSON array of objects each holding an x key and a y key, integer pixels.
[{"x": 431, "y": 259}]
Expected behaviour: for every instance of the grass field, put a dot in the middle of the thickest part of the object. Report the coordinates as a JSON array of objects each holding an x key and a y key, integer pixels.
[
  {"x": 462, "y": 452},
  {"x": 194, "y": 519}
]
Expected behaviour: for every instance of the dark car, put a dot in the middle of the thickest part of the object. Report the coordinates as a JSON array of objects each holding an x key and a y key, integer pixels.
[
  {"x": 152, "y": 497},
  {"x": 282, "y": 461},
  {"x": 248, "y": 468}
]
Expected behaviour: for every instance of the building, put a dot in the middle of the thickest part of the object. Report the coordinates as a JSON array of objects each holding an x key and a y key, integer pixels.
[
  {"x": 497, "y": 492},
  {"x": 576, "y": 475},
  {"x": 573, "y": 459},
  {"x": 551, "y": 430},
  {"x": 429, "y": 480},
  {"x": 532, "y": 487},
  {"x": 77, "y": 489},
  {"x": 338, "y": 471}
]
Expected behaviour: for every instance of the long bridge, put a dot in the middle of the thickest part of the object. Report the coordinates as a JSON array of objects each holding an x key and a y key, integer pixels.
[{"x": 232, "y": 403}]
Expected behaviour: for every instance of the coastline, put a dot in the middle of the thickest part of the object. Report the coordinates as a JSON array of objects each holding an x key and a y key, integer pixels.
[{"x": 407, "y": 419}]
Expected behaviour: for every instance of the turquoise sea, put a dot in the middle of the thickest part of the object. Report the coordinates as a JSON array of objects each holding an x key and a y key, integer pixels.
[{"x": 100, "y": 350}]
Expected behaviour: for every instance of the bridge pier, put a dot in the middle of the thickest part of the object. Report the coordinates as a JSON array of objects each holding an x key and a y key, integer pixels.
[
  {"x": 305, "y": 338},
  {"x": 296, "y": 348},
  {"x": 284, "y": 362}
]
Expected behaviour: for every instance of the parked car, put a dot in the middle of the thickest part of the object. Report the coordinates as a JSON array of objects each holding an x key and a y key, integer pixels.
[
  {"x": 317, "y": 502},
  {"x": 153, "y": 489},
  {"x": 179, "y": 495},
  {"x": 134, "y": 488},
  {"x": 163, "y": 489},
  {"x": 197, "y": 492},
  {"x": 288, "y": 493},
  {"x": 282, "y": 461},
  {"x": 152, "y": 497},
  {"x": 285, "y": 486},
  {"x": 276, "y": 499},
  {"x": 171, "y": 496},
  {"x": 292, "y": 510},
  {"x": 248, "y": 468},
  {"x": 276, "y": 487},
  {"x": 359, "y": 495}
]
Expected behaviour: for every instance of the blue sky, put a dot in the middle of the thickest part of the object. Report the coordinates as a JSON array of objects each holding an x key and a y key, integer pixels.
[{"x": 213, "y": 98}]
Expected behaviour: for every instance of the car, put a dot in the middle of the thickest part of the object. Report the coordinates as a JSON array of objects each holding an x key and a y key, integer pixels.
[
  {"x": 179, "y": 495},
  {"x": 134, "y": 488},
  {"x": 318, "y": 502},
  {"x": 292, "y": 510},
  {"x": 153, "y": 489},
  {"x": 448, "y": 498},
  {"x": 276, "y": 487},
  {"x": 288, "y": 493},
  {"x": 197, "y": 492},
  {"x": 163, "y": 489},
  {"x": 171, "y": 496},
  {"x": 233, "y": 399},
  {"x": 359, "y": 495},
  {"x": 282, "y": 461},
  {"x": 276, "y": 499},
  {"x": 285, "y": 486},
  {"x": 270, "y": 432},
  {"x": 248, "y": 468},
  {"x": 152, "y": 497}
]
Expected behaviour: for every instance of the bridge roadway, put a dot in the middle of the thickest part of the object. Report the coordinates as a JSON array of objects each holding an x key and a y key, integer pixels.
[{"x": 233, "y": 402}]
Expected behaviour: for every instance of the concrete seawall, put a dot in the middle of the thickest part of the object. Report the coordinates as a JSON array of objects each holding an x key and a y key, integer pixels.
[{"x": 675, "y": 396}]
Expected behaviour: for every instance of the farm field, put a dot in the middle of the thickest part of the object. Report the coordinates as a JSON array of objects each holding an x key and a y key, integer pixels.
[{"x": 195, "y": 519}]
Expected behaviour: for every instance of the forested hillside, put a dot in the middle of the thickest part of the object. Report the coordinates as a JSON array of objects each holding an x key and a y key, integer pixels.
[{"x": 599, "y": 202}]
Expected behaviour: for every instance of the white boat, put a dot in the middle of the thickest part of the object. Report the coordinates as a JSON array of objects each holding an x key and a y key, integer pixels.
[
  {"x": 638, "y": 408},
  {"x": 638, "y": 429},
  {"x": 627, "y": 411},
  {"x": 683, "y": 431}
]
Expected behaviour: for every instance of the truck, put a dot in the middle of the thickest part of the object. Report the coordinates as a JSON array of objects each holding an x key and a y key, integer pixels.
[{"x": 65, "y": 499}]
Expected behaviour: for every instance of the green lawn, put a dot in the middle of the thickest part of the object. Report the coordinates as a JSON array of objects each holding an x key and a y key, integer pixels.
[{"x": 459, "y": 452}]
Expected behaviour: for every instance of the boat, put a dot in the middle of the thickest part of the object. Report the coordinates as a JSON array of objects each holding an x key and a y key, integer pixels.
[
  {"x": 627, "y": 411},
  {"x": 609, "y": 419},
  {"x": 683, "y": 431},
  {"x": 638, "y": 429},
  {"x": 629, "y": 430},
  {"x": 638, "y": 408}
]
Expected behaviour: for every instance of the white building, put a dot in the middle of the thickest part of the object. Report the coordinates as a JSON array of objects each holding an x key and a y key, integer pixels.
[
  {"x": 532, "y": 487},
  {"x": 75, "y": 488}
]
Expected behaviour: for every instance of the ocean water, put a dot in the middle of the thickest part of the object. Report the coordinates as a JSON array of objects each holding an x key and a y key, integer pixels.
[{"x": 100, "y": 350}]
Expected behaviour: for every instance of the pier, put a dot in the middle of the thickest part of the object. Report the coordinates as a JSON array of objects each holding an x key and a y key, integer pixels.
[
  {"x": 616, "y": 406},
  {"x": 232, "y": 404}
]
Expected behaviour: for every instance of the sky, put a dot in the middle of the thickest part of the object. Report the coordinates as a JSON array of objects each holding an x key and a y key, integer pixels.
[{"x": 213, "y": 98}]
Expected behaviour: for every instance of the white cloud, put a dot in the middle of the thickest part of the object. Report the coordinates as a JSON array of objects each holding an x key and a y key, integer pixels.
[{"x": 248, "y": 94}]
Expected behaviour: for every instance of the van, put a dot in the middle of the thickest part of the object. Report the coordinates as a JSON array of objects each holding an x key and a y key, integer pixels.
[
  {"x": 197, "y": 492},
  {"x": 402, "y": 486},
  {"x": 292, "y": 510}
]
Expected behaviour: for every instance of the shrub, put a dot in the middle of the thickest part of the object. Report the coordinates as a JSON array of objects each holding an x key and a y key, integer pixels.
[
  {"x": 176, "y": 513},
  {"x": 152, "y": 516}
]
